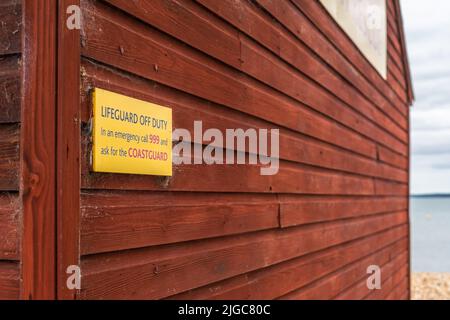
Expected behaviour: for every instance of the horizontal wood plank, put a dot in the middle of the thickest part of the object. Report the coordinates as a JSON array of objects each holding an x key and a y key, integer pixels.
[
  {"x": 339, "y": 201},
  {"x": 384, "y": 188},
  {"x": 282, "y": 278},
  {"x": 331, "y": 285},
  {"x": 318, "y": 15},
  {"x": 388, "y": 283},
  {"x": 400, "y": 289},
  {"x": 186, "y": 109},
  {"x": 176, "y": 64},
  {"x": 10, "y": 26},
  {"x": 359, "y": 290},
  {"x": 290, "y": 178},
  {"x": 306, "y": 31},
  {"x": 303, "y": 210},
  {"x": 257, "y": 62},
  {"x": 356, "y": 93},
  {"x": 10, "y": 89},
  {"x": 9, "y": 157},
  {"x": 9, "y": 226},
  {"x": 387, "y": 156},
  {"x": 9, "y": 280},
  {"x": 160, "y": 272},
  {"x": 117, "y": 221}
]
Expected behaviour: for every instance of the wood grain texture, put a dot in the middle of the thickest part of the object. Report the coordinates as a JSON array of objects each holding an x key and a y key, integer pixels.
[
  {"x": 176, "y": 64},
  {"x": 38, "y": 149},
  {"x": 304, "y": 29},
  {"x": 9, "y": 280},
  {"x": 10, "y": 89},
  {"x": 68, "y": 150},
  {"x": 117, "y": 221},
  {"x": 328, "y": 287},
  {"x": 303, "y": 210},
  {"x": 9, "y": 226},
  {"x": 10, "y": 26},
  {"x": 384, "y": 188},
  {"x": 339, "y": 200},
  {"x": 9, "y": 157},
  {"x": 291, "y": 178},
  {"x": 187, "y": 109},
  {"x": 161, "y": 272},
  {"x": 359, "y": 291},
  {"x": 388, "y": 283},
  {"x": 259, "y": 63},
  {"x": 10, "y": 95},
  {"x": 400, "y": 282},
  {"x": 394, "y": 159},
  {"x": 338, "y": 203},
  {"x": 318, "y": 15},
  {"x": 280, "y": 279},
  {"x": 124, "y": 220},
  {"x": 297, "y": 54}
]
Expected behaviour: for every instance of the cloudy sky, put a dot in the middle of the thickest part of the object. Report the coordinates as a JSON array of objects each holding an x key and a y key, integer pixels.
[{"x": 427, "y": 25}]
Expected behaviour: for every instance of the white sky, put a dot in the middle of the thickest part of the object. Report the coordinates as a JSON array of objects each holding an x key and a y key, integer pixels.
[{"x": 427, "y": 25}]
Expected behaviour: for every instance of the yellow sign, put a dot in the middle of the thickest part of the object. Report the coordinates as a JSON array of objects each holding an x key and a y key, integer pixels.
[{"x": 130, "y": 135}]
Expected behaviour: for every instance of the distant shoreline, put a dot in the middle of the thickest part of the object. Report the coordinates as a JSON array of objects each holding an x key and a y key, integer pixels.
[{"x": 437, "y": 195}]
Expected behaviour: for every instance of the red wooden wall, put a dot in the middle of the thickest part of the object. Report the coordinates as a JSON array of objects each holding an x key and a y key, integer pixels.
[
  {"x": 10, "y": 206},
  {"x": 338, "y": 204}
]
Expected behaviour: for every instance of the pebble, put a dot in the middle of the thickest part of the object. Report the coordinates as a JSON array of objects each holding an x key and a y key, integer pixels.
[{"x": 430, "y": 286}]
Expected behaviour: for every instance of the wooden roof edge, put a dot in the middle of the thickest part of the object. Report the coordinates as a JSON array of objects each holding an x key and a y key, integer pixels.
[{"x": 409, "y": 83}]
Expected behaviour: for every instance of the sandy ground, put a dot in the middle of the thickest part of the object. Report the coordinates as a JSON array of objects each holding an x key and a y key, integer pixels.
[{"x": 431, "y": 286}]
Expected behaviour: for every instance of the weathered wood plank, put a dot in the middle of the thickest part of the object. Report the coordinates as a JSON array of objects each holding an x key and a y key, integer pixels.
[
  {"x": 68, "y": 151},
  {"x": 176, "y": 69},
  {"x": 395, "y": 74},
  {"x": 159, "y": 272},
  {"x": 297, "y": 53},
  {"x": 117, "y": 221},
  {"x": 340, "y": 195},
  {"x": 10, "y": 26},
  {"x": 384, "y": 188},
  {"x": 186, "y": 109},
  {"x": 314, "y": 11},
  {"x": 280, "y": 279},
  {"x": 290, "y": 178},
  {"x": 359, "y": 290},
  {"x": 330, "y": 286},
  {"x": 306, "y": 30},
  {"x": 9, "y": 157},
  {"x": 302, "y": 210},
  {"x": 257, "y": 62},
  {"x": 38, "y": 149},
  {"x": 395, "y": 40},
  {"x": 9, "y": 280},
  {"x": 9, "y": 226},
  {"x": 387, "y": 156},
  {"x": 146, "y": 219},
  {"x": 388, "y": 284},
  {"x": 10, "y": 89},
  {"x": 400, "y": 287},
  {"x": 180, "y": 19}
]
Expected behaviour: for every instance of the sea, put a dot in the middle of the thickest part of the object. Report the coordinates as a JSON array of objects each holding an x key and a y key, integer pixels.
[{"x": 430, "y": 233}]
